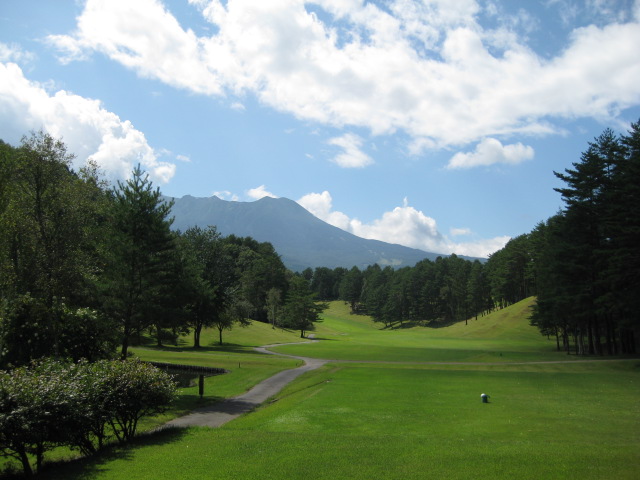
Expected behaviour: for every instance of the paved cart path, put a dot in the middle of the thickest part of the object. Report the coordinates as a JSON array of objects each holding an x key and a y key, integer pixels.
[{"x": 228, "y": 409}]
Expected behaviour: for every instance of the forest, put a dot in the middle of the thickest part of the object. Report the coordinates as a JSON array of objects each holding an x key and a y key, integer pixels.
[{"x": 88, "y": 268}]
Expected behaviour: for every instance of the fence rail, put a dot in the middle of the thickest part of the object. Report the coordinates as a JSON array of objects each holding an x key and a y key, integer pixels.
[{"x": 209, "y": 371}]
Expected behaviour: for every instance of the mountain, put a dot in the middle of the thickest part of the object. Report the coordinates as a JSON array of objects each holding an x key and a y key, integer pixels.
[{"x": 301, "y": 239}]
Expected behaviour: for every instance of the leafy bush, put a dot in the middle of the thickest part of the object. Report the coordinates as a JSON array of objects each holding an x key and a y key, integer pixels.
[{"x": 52, "y": 403}]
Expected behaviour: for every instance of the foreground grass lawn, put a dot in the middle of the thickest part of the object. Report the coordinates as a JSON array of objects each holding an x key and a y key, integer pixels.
[{"x": 396, "y": 422}]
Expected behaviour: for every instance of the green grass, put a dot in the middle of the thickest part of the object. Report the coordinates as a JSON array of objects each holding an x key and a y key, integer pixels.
[
  {"x": 408, "y": 420},
  {"x": 502, "y": 336},
  {"x": 411, "y": 422}
]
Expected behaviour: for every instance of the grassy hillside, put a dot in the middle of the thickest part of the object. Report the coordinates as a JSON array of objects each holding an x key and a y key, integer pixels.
[{"x": 502, "y": 336}]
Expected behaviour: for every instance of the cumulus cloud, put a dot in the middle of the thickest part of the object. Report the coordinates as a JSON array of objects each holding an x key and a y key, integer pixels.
[
  {"x": 260, "y": 192},
  {"x": 403, "y": 225},
  {"x": 491, "y": 151},
  {"x": 352, "y": 155},
  {"x": 429, "y": 69},
  {"x": 88, "y": 130},
  {"x": 320, "y": 204}
]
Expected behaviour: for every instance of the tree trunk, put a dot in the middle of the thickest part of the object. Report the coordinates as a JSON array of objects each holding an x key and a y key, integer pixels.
[
  {"x": 125, "y": 344},
  {"x": 39, "y": 456},
  {"x": 196, "y": 336},
  {"x": 596, "y": 336},
  {"x": 26, "y": 466}
]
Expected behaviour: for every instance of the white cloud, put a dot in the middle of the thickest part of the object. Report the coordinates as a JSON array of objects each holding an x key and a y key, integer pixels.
[
  {"x": 457, "y": 232},
  {"x": 14, "y": 53},
  {"x": 143, "y": 36},
  {"x": 352, "y": 155},
  {"x": 491, "y": 151},
  {"x": 403, "y": 225},
  {"x": 429, "y": 69},
  {"x": 260, "y": 192},
  {"x": 226, "y": 195},
  {"x": 183, "y": 158},
  {"x": 88, "y": 130},
  {"x": 320, "y": 204}
]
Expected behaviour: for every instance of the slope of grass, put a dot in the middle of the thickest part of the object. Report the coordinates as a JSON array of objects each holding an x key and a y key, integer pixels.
[{"x": 502, "y": 336}]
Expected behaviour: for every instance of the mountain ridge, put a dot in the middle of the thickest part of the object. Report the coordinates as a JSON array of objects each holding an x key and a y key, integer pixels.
[{"x": 301, "y": 239}]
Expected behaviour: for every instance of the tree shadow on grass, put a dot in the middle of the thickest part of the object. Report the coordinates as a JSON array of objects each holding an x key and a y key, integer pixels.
[
  {"x": 224, "y": 348},
  {"x": 87, "y": 468}
]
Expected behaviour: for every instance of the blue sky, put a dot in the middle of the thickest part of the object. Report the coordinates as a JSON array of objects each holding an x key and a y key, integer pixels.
[{"x": 435, "y": 124}]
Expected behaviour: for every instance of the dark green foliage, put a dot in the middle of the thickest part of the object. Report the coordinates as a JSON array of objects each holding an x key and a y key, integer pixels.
[
  {"x": 587, "y": 269},
  {"x": 133, "y": 389},
  {"x": 209, "y": 280},
  {"x": 301, "y": 310},
  {"x": 350, "y": 288},
  {"x": 27, "y": 326},
  {"x": 140, "y": 248},
  {"x": 50, "y": 222},
  {"x": 448, "y": 290},
  {"x": 51, "y": 403},
  {"x": 81, "y": 263}
]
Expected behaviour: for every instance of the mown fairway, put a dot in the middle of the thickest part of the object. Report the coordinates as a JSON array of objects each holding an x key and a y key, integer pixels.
[
  {"x": 503, "y": 336},
  {"x": 411, "y": 420}
]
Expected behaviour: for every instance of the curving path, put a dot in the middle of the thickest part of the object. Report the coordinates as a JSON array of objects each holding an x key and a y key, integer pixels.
[{"x": 226, "y": 410}]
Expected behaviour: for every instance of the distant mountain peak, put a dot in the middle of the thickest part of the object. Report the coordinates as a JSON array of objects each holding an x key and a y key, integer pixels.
[{"x": 301, "y": 239}]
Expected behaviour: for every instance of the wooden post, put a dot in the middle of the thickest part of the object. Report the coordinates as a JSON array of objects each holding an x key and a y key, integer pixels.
[{"x": 201, "y": 385}]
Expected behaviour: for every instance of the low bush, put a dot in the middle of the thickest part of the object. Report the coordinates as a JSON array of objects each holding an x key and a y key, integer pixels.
[{"x": 78, "y": 405}]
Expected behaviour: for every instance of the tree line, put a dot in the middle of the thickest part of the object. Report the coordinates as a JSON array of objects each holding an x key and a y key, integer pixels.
[
  {"x": 582, "y": 264},
  {"x": 588, "y": 263},
  {"x": 88, "y": 268},
  {"x": 434, "y": 293}
]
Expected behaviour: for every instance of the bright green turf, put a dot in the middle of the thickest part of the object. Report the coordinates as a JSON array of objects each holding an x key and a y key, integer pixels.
[
  {"x": 402, "y": 421},
  {"x": 503, "y": 336},
  {"x": 412, "y": 422}
]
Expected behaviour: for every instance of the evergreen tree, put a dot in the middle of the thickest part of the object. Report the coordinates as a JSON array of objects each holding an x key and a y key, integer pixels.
[{"x": 139, "y": 250}]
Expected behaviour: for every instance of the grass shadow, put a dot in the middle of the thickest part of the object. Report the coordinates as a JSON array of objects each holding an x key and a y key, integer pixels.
[
  {"x": 86, "y": 468},
  {"x": 224, "y": 348}
]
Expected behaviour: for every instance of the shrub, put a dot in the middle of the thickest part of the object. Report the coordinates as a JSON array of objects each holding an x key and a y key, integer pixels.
[{"x": 52, "y": 403}]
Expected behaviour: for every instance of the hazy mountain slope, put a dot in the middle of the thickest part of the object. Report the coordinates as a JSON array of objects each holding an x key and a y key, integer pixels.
[{"x": 301, "y": 239}]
